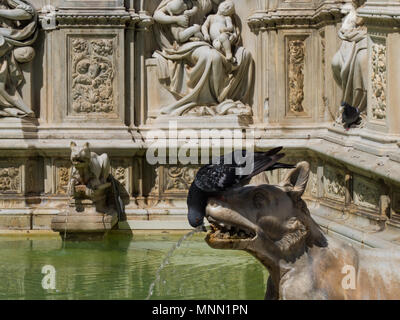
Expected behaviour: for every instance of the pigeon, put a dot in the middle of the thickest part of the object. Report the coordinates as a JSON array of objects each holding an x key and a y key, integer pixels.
[
  {"x": 350, "y": 115},
  {"x": 213, "y": 179}
]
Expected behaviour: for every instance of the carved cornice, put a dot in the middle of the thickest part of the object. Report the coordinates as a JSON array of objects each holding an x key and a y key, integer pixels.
[
  {"x": 376, "y": 15},
  {"x": 290, "y": 18},
  {"x": 95, "y": 18}
]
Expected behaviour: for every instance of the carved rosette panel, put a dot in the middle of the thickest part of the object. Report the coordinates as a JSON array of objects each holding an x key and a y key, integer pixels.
[
  {"x": 366, "y": 193},
  {"x": 10, "y": 179},
  {"x": 120, "y": 171},
  {"x": 378, "y": 81},
  {"x": 63, "y": 174},
  {"x": 334, "y": 184},
  {"x": 92, "y": 75},
  {"x": 178, "y": 179},
  {"x": 296, "y": 53}
]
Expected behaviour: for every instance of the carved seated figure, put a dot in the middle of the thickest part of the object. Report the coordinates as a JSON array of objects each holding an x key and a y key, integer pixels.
[
  {"x": 90, "y": 173},
  {"x": 273, "y": 224},
  {"x": 219, "y": 28},
  {"x": 181, "y": 35}
]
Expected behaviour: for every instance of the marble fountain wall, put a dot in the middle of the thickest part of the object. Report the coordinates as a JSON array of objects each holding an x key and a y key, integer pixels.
[{"x": 354, "y": 186}]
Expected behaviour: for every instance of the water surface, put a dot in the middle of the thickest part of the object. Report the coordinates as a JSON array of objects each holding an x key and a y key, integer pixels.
[{"x": 124, "y": 268}]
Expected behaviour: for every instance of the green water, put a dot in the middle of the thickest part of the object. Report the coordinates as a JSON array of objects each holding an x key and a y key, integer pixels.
[{"x": 124, "y": 268}]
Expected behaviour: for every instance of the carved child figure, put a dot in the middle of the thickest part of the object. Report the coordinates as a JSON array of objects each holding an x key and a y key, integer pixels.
[
  {"x": 220, "y": 30},
  {"x": 181, "y": 35},
  {"x": 90, "y": 171}
]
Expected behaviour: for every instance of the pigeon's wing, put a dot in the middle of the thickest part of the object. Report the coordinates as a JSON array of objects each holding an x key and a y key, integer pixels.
[
  {"x": 261, "y": 164},
  {"x": 280, "y": 165},
  {"x": 238, "y": 157},
  {"x": 216, "y": 178}
]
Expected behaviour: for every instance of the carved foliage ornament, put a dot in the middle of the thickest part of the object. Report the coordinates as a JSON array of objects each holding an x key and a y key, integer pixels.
[
  {"x": 334, "y": 183},
  {"x": 296, "y": 52},
  {"x": 63, "y": 178},
  {"x": 10, "y": 180},
  {"x": 179, "y": 178},
  {"x": 92, "y": 75},
  {"x": 378, "y": 80}
]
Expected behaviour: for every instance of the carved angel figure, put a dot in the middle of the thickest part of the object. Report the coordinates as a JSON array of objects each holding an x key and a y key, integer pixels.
[{"x": 18, "y": 31}]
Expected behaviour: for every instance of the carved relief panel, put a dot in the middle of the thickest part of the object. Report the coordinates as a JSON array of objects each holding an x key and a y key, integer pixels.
[
  {"x": 10, "y": 179},
  {"x": 378, "y": 79},
  {"x": 334, "y": 184},
  {"x": 91, "y": 76},
  {"x": 177, "y": 179},
  {"x": 122, "y": 172},
  {"x": 62, "y": 176},
  {"x": 297, "y": 82},
  {"x": 90, "y": 86},
  {"x": 296, "y": 56},
  {"x": 366, "y": 193},
  {"x": 396, "y": 207}
]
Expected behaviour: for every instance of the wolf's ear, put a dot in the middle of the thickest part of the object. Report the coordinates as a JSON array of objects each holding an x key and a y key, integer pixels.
[
  {"x": 72, "y": 144},
  {"x": 86, "y": 145},
  {"x": 295, "y": 182}
]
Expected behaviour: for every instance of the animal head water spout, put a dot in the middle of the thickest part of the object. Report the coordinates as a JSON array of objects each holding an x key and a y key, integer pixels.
[{"x": 270, "y": 222}]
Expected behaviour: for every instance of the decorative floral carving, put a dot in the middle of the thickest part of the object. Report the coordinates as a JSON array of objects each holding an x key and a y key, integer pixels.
[
  {"x": 296, "y": 75},
  {"x": 378, "y": 80},
  {"x": 121, "y": 175},
  {"x": 10, "y": 180},
  {"x": 63, "y": 178},
  {"x": 92, "y": 75},
  {"x": 334, "y": 182},
  {"x": 365, "y": 193},
  {"x": 179, "y": 178}
]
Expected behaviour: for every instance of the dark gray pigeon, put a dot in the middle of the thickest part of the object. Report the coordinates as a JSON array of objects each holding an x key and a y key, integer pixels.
[{"x": 212, "y": 179}]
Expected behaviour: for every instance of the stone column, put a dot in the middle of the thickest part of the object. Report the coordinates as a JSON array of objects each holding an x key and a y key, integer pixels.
[{"x": 382, "y": 19}]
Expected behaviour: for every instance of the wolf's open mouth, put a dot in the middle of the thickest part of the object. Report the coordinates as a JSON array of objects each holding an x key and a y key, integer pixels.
[{"x": 220, "y": 231}]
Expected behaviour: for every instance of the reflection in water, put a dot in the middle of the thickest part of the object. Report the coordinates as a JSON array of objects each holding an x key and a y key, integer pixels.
[{"x": 124, "y": 268}]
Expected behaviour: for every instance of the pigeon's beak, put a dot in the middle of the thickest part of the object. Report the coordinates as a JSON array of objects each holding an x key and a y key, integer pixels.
[{"x": 195, "y": 218}]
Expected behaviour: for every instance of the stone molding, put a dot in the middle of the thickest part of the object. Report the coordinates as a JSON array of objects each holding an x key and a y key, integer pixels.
[
  {"x": 290, "y": 18},
  {"x": 52, "y": 18}
]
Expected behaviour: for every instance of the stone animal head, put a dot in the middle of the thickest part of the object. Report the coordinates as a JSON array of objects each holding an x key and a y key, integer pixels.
[
  {"x": 80, "y": 156},
  {"x": 226, "y": 8},
  {"x": 270, "y": 222}
]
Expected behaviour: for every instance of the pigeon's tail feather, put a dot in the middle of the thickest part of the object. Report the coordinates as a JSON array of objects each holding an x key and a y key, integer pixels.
[
  {"x": 273, "y": 151},
  {"x": 262, "y": 165},
  {"x": 280, "y": 165}
]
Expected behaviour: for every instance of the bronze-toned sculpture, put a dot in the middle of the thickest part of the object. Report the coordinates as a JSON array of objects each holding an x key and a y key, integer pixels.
[{"x": 273, "y": 224}]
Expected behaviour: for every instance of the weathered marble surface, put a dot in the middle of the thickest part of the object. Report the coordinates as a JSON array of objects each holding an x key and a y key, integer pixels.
[{"x": 94, "y": 78}]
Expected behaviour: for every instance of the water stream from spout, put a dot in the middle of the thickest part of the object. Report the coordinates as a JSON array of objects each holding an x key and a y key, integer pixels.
[
  {"x": 169, "y": 255},
  {"x": 65, "y": 229}
]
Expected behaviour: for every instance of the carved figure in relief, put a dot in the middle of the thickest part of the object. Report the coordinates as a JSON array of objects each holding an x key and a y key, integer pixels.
[
  {"x": 18, "y": 31},
  {"x": 350, "y": 65},
  {"x": 219, "y": 28},
  {"x": 181, "y": 35},
  {"x": 200, "y": 77}
]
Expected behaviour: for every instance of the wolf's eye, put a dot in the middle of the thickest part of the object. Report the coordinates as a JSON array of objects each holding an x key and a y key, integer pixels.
[{"x": 260, "y": 200}]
